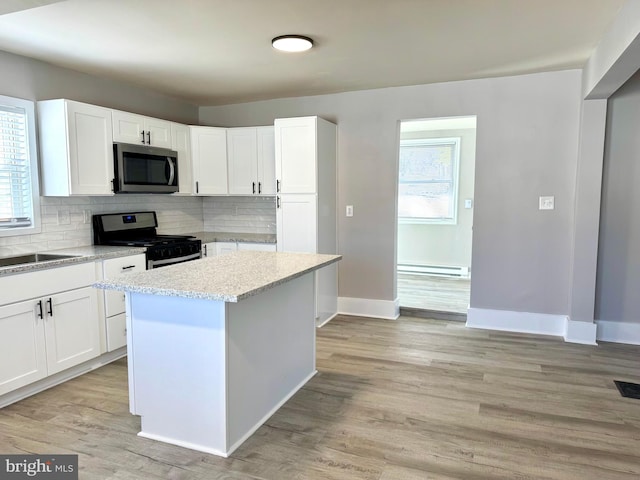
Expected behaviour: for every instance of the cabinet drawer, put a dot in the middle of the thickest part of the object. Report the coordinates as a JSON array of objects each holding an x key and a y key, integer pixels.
[
  {"x": 116, "y": 266},
  {"x": 114, "y": 300},
  {"x": 23, "y": 286},
  {"x": 257, "y": 247},
  {"x": 225, "y": 247},
  {"x": 116, "y": 332}
]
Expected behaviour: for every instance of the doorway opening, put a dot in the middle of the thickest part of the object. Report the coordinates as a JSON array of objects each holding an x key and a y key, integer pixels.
[{"x": 435, "y": 215}]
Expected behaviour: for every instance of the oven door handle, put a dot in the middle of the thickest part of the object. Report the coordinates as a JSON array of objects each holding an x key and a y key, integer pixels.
[
  {"x": 172, "y": 170},
  {"x": 169, "y": 261}
]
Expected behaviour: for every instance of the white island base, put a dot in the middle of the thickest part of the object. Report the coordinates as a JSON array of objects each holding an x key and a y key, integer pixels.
[{"x": 206, "y": 374}]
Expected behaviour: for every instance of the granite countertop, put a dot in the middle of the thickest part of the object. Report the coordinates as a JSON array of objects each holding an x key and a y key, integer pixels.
[
  {"x": 228, "y": 278},
  {"x": 208, "y": 237},
  {"x": 79, "y": 255}
]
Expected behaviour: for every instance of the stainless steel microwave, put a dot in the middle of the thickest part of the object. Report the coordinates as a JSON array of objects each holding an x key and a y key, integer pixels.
[{"x": 144, "y": 169}]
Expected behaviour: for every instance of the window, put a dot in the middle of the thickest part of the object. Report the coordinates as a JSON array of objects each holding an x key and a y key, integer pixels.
[
  {"x": 428, "y": 180},
  {"x": 19, "y": 202}
]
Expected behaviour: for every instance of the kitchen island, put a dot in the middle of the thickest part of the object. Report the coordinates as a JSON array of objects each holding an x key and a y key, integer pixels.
[{"x": 216, "y": 346}]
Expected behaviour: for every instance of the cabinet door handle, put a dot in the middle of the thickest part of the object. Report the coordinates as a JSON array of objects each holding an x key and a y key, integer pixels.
[
  {"x": 254, "y": 187},
  {"x": 205, "y": 250},
  {"x": 197, "y": 189},
  {"x": 39, "y": 304},
  {"x": 277, "y": 186},
  {"x": 277, "y": 202},
  {"x": 50, "y": 311},
  {"x": 128, "y": 267},
  {"x": 142, "y": 133},
  {"x": 113, "y": 185},
  {"x": 259, "y": 187},
  {"x": 148, "y": 137}
]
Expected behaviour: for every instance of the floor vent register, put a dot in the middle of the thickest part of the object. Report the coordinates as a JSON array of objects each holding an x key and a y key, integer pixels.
[{"x": 629, "y": 390}]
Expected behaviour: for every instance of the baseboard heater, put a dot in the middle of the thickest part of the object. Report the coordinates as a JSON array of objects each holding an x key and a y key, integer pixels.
[{"x": 443, "y": 270}]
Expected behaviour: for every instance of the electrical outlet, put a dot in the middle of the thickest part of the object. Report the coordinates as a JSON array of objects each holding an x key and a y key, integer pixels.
[
  {"x": 546, "y": 203},
  {"x": 349, "y": 210},
  {"x": 87, "y": 216}
]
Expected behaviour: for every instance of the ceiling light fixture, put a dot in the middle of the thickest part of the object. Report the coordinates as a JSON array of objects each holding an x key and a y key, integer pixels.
[{"x": 292, "y": 43}]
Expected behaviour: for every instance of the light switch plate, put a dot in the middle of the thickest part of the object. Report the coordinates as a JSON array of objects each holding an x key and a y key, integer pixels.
[
  {"x": 349, "y": 210},
  {"x": 547, "y": 203},
  {"x": 468, "y": 203}
]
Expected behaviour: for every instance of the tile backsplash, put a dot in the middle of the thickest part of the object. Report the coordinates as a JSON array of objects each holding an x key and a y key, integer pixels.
[
  {"x": 66, "y": 221},
  {"x": 239, "y": 214}
]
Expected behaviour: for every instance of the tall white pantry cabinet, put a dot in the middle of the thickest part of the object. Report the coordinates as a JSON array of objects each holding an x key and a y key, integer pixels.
[{"x": 306, "y": 204}]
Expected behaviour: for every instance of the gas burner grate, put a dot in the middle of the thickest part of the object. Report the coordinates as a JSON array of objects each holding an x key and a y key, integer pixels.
[{"x": 629, "y": 390}]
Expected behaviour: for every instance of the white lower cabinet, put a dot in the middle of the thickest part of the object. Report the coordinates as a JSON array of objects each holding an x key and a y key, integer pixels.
[
  {"x": 212, "y": 249},
  {"x": 209, "y": 249},
  {"x": 54, "y": 331},
  {"x": 114, "y": 301},
  {"x": 71, "y": 329},
  {"x": 22, "y": 346},
  {"x": 223, "y": 248},
  {"x": 296, "y": 223},
  {"x": 257, "y": 247}
]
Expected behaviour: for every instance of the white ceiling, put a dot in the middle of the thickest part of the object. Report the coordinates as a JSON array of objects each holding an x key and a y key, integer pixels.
[{"x": 212, "y": 52}]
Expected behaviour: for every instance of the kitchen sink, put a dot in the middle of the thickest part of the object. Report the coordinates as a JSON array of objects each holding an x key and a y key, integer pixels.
[{"x": 32, "y": 258}]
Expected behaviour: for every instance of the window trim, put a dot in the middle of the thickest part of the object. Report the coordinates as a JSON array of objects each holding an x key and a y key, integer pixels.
[
  {"x": 29, "y": 107},
  {"x": 456, "y": 180}
]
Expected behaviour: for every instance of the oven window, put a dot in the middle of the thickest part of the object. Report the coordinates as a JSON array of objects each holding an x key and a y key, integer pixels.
[{"x": 145, "y": 169}]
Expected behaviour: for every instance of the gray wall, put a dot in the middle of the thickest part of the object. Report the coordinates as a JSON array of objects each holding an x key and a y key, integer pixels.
[
  {"x": 527, "y": 139},
  {"x": 35, "y": 80},
  {"x": 448, "y": 245},
  {"x": 618, "y": 274}
]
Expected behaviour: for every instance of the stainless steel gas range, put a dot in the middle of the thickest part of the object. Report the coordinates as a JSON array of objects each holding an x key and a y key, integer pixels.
[{"x": 139, "y": 229}]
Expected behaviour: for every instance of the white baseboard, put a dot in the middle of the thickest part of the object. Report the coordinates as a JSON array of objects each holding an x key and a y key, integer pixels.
[
  {"x": 620, "y": 332},
  {"x": 523, "y": 322},
  {"x": 537, "y": 323},
  {"x": 320, "y": 322},
  {"x": 191, "y": 446},
  {"x": 580, "y": 332},
  {"x": 365, "y": 307},
  {"x": 61, "y": 377},
  {"x": 276, "y": 407}
]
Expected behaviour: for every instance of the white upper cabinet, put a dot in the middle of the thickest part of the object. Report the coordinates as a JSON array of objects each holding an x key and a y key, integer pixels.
[
  {"x": 266, "y": 161},
  {"x": 181, "y": 143},
  {"x": 138, "y": 129},
  {"x": 296, "y": 154},
  {"x": 251, "y": 159},
  {"x": 76, "y": 148},
  {"x": 242, "y": 155},
  {"x": 209, "y": 159}
]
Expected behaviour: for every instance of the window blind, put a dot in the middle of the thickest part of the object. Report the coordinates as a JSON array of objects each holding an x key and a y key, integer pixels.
[{"x": 16, "y": 209}]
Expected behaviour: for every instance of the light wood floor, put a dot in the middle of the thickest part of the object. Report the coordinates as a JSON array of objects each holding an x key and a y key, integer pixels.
[
  {"x": 405, "y": 400},
  {"x": 430, "y": 292}
]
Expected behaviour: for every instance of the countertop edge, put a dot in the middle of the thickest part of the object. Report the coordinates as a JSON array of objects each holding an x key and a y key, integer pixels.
[
  {"x": 120, "y": 285},
  {"x": 239, "y": 237},
  {"x": 72, "y": 260}
]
